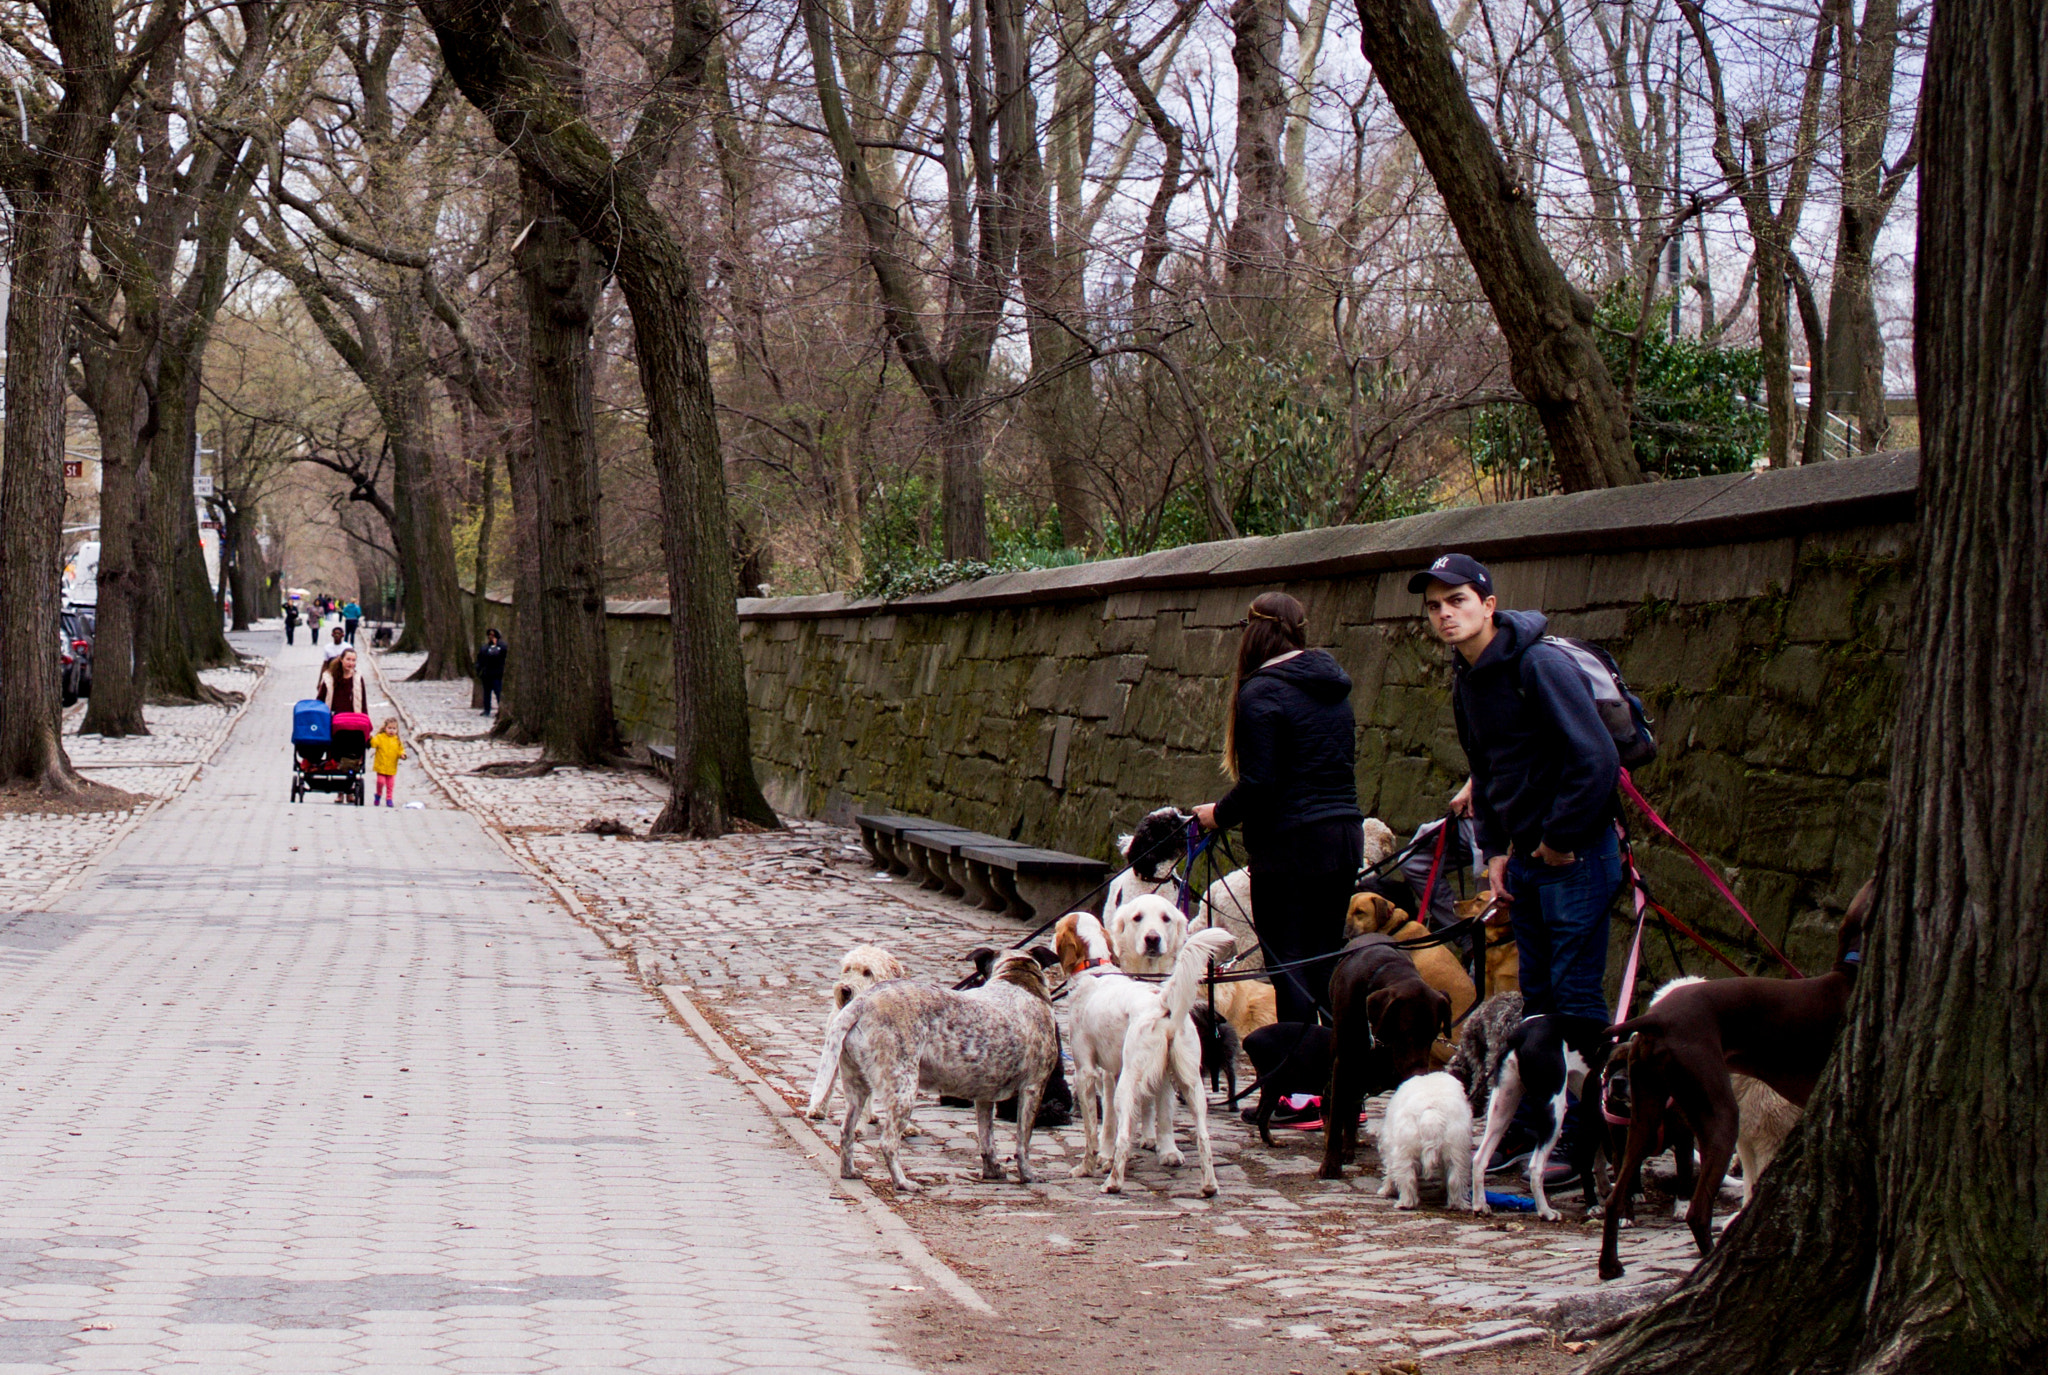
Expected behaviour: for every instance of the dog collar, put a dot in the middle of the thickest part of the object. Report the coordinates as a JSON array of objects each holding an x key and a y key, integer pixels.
[{"x": 1099, "y": 962}]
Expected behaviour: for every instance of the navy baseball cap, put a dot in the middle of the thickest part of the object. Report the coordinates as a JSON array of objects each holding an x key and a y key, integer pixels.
[{"x": 1454, "y": 570}]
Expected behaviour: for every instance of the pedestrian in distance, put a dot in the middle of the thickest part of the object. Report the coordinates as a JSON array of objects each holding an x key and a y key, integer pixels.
[
  {"x": 387, "y": 747},
  {"x": 351, "y": 617},
  {"x": 1544, "y": 770},
  {"x": 1290, "y": 747},
  {"x": 335, "y": 647},
  {"x": 291, "y": 622},
  {"x": 490, "y": 670}
]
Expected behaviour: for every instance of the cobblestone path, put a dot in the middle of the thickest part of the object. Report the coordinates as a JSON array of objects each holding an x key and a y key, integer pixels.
[
  {"x": 320, "y": 1088},
  {"x": 751, "y": 927}
]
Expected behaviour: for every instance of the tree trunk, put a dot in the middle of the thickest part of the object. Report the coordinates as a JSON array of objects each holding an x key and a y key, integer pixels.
[
  {"x": 1060, "y": 404},
  {"x": 523, "y": 713},
  {"x": 238, "y": 558},
  {"x": 433, "y": 585},
  {"x": 1546, "y": 322},
  {"x": 49, "y": 224},
  {"x": 115, "y": 707},
  {"x": 1256, "y": 248},
  {"x": 1901, "y": 1229},
  {"x": 562, "y": 279},
  {"x": 962, "y": 494},
  {"x": 1855, "y": 344}
]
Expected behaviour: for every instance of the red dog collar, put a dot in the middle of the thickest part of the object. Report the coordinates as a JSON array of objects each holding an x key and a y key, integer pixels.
[{"x": 1099, "y": 962}]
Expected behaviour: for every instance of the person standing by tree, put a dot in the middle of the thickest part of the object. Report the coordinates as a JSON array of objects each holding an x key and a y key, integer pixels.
[
  {"x": 1544, "y": 770},
  {"x": 291, "y": 621},
  {"x": 490, "y": 669},
  {"x": 1290, "y": 745}
]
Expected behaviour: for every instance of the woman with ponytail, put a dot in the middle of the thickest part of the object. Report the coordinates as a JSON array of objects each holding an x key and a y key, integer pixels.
[{"x": 1290, "y": 748}]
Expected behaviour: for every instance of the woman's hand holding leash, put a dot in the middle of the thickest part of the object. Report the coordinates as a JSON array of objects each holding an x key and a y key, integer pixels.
[{"x": 1206, "y": 815}]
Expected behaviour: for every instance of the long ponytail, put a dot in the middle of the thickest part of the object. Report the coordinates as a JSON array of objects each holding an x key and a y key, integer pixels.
[{"x": 1275, "y": 624}]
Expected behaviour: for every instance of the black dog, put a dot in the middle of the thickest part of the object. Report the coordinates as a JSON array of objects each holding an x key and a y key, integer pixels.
[
  {"x": 1220, "y": 1046},
  {"x": 1291, "y": 1057},
  {"x": 1387, "y": 1019},
  {"x": 1056, "y": 1107}
]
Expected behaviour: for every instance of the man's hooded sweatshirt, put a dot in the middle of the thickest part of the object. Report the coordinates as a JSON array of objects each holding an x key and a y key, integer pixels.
[
  {"x": 1296, "y": 750},
  {"x": 1544, "y": 767}
]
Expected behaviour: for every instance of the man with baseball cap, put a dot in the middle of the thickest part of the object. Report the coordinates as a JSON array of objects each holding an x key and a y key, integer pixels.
[{"x": 1544, "y": 770}]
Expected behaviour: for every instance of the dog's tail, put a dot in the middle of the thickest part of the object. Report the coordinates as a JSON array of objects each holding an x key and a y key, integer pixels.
[
  {"x": 828, "y": 1058},
  {"x": 1149, "y": 1039}
]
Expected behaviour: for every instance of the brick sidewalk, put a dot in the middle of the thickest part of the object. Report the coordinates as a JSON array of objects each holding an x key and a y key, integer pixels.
[
  {"x": 316, "y": 1088},
  {"x": 753, "y": 926},
  {"x": 39, "y": 854}
]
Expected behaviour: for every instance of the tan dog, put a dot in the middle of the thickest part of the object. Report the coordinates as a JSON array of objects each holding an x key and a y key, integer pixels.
[
  {"x": 1503, "y": 959},
  {"x": 1247, "y": 1005},
  {"x": 861, "y": 968},
  {"x": 1437, "y": 964}
]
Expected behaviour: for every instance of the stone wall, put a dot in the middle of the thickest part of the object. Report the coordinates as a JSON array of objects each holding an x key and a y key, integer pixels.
[{"x": 1758, "y": 615}]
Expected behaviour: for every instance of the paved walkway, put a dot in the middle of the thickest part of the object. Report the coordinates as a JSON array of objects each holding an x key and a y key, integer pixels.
[{"x": 319, "y": 1088}]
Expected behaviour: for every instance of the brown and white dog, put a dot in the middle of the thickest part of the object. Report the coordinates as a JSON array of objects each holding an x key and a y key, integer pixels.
[
  {"x": 1437, "y": 964},
  {"x": 984, "y": 1045}
]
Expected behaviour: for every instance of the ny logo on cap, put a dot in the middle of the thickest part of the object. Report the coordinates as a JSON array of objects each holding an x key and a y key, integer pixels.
[{"x": 1443, "y": 562}]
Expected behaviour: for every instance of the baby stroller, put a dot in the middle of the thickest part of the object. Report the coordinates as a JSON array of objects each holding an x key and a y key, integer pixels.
[{"x": 329, "y": 749}]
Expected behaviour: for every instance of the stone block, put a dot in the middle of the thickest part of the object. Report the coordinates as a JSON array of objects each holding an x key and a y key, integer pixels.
[
  {"x": 1712, "y": 654},
  {"x": 1797, "y": 673},
  {"x": 1520, "y": 584},
  {"x": 1392, "y": 601},
  {"x": 1219, "y": 607},
  {"x": 1860, "y": 824},
  {"x": 1125, "y": 636},
  {"x": 1568, "y": 584},
  {"x": 1605, "y": 626},
  {"x": 1619, "y": 579},
  {"x": 1789, "y": 822},
  {"x": 1098, "y": 692},
  {"x": 1822, "y": 607},
  {"x": 1060, "y": 738},
  {"x": 1047, "y": 687},
  {"x": 1735, "y": 572}
]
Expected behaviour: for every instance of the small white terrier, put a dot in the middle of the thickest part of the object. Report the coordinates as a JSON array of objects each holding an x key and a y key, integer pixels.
[{"x": 1427, "y": 1129}]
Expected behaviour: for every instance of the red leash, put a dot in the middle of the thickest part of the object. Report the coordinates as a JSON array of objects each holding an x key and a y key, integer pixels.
[
  {"x": 1628, "y": 788},
  {"x": 1436, "y": 865}
]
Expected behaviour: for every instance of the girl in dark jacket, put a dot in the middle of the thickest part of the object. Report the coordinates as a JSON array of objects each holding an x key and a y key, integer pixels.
[{"x": 1291, "y": 747}]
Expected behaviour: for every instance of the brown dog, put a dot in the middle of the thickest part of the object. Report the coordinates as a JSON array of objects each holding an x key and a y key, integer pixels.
[
  {"x": 1779, "y": 1031},
  {"x": 1387, "y": 1020},
  {"x": 1503, "y": 958},
  {"x": 1437, "y": 964}
]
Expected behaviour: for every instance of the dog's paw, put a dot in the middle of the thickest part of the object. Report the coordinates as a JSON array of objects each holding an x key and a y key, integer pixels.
[
  {"x": 1086, "y": 1168},
  {"x": 1406, "y": 1205},
  {"x": 1480, "y": 1205},
  {"x": 1387, "y": 1190},
  {"x": 1549, "y": 1214},
  {"x": 815, "y": 1111},
  {"x": 1611, "y": 1269},
  {"x": 1330, "y": 1172},
  {"x": 908, "y": 1185},
  {"x": 1112, "y": 1186},
  {"x": 1171, "y": 1158},
  {"x": 1209, "y": 1189}
]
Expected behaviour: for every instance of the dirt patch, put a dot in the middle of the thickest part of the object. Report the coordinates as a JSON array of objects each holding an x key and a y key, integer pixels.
[
  {"x": 26, "y": 799},
  {"x": 1090, "y": 1307}
]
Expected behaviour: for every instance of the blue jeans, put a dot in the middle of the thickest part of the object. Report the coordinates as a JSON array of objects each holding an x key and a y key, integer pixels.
[
  {"x": 494, "y": 693},
  {"x": 1559, "y": 917}
]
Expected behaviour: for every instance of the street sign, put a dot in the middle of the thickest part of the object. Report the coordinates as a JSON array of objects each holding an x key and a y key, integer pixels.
[
  {"x": 74, "y": 468},
  {"x": 202, "y": 485}
]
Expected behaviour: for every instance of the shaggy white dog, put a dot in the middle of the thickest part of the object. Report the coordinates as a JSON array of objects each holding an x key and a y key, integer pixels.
[{"x": 1427, "y": 1131}]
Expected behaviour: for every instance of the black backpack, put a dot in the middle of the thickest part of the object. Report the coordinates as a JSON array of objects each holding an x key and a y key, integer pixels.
[{"x": 1621, "y": 711}]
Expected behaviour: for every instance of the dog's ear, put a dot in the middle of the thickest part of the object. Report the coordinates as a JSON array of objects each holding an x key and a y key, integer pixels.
[
  {"x": 1443, "y": 1011},
  {"x": 1376, "y": 1005},
  {"x": 982, "y": 956},
  {"x": 1123, "y": 847},
  {"x": 1044, "y": 955}
]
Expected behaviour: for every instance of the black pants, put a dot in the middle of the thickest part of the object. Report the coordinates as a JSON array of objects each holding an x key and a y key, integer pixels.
[
  {"x": 1301, "y": 888},
  {"x": 348, "y": 626},
  {"x": 290, "y": 629}
]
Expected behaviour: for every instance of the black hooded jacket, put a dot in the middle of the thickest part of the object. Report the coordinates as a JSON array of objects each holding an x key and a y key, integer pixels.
[
  {"x": 1543, "y": 766},
  {"x": 1297, "y": 747}
]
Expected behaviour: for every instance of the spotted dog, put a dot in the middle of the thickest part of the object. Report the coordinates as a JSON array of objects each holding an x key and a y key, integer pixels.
[
  {"x": 860, "y": 969},
  {"x": 985, "y": 1044}
]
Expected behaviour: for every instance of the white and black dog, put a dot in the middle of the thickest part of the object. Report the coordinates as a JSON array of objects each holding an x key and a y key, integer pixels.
[
  {"x": 1537, "y": 1060},
  {"x": 1150, "y": 853}
]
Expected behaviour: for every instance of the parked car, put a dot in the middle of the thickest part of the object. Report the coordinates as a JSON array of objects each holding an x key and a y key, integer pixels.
[{"x": 74, "y": 636}]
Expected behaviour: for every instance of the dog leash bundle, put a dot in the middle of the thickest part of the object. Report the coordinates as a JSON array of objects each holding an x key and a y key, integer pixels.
[
  {"x": 1628, "y": 788},
  {"x": 1436, "y": 864}
]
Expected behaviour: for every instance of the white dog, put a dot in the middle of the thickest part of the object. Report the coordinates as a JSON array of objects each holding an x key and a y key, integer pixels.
[
  {"x": 860, "y": 969},
  {"x": 1133, "y": 1047},
  {"x": 1427, "y": 1130},
  {"x": 1146, "y": 934}
]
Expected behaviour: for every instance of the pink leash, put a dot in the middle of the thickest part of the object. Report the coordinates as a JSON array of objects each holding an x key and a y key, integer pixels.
[{"x": 1628, "y": 787}]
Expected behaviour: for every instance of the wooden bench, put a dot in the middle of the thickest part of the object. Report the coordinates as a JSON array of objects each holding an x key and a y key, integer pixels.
[{"x": 1018, "y": 880}]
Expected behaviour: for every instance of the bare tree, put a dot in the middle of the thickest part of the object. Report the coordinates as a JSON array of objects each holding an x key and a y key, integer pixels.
[
  {"x": 48, "y": 177},
  {"x": 1546, "y": 322},
  {"x": 520, "y": 62}
]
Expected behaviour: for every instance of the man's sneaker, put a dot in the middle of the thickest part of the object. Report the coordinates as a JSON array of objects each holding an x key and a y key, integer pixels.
[
  {"x": 1509, "y": 1158},
  {"x": 1295, "y": 1110},
  {"x": 1559, "y": 1176}
]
